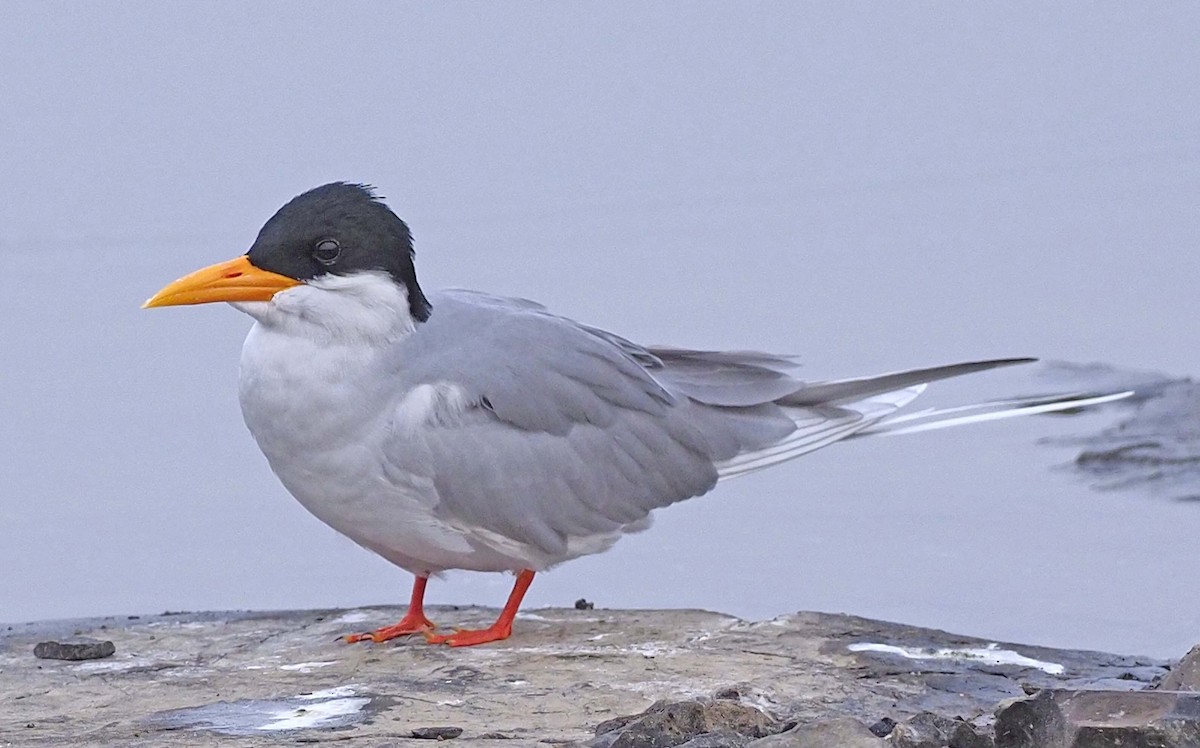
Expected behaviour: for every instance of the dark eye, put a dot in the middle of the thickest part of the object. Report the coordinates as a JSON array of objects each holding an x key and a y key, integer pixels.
[{"x": 326, "y": 251}]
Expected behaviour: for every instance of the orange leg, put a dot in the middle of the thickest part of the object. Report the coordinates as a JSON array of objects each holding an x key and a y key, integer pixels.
[
  {"x": 499, "y": 630},
  {"x": 414, "y": 621}
]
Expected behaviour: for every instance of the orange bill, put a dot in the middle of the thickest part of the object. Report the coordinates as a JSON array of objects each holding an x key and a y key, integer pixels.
[{"x": 236, "y": 280}]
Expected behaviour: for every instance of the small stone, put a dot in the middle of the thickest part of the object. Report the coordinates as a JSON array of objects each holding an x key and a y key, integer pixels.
[
  {"x": 843, "y": 732},
  {"x": 1184, "y": 675},
  {"x": 883, "y": 727},
  {"x": 583, "y": 604},
  {"x": 74, "y": 649},
  {"x": 436, "y": 733}
]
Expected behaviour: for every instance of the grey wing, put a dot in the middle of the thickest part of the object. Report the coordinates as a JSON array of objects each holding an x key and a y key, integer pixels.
[{"x": 564, "y": 432}]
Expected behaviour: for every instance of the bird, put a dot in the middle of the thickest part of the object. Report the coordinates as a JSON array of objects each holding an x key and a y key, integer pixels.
[{"x": 463, "y": 430}]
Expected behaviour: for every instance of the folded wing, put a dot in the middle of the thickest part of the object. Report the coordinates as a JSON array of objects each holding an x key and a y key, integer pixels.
[{"x": 556, "y": 436}]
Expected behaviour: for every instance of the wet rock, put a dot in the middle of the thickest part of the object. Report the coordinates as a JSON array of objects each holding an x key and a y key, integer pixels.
[
  {"x": 74, "y": 649},
  {"x": 584, "y": 604},
  {"x": 437, "y": 733},
  {"x": 843, "y": 732},
  {"x": 1098, "y": 719},
  {"x": 929, "y": 730},
  {"x": 335, "y": 708},
  {"x": 1184, "y": 676},
  {"x": 672, "y": 723}
]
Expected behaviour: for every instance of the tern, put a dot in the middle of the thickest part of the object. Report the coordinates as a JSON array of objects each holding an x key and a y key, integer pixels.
[{"x": 461, "y": 430}]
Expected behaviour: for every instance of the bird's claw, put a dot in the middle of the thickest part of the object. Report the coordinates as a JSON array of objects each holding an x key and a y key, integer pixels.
[
  {"x": 469, "y": 637},
  {"x": 405, "y": 627}
]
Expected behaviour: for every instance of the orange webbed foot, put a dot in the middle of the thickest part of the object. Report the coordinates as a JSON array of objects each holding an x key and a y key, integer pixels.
[
  {"x": 471, "y": 637},
  {"x": 406, "y": 626}
]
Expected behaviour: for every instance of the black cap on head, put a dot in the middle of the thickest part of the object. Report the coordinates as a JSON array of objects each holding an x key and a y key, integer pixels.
[{"x": 339, "y": 229}]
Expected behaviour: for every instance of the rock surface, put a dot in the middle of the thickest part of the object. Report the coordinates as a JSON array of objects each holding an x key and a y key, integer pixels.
[
  {"x": 843, "y": 732},
  {"x": 1100, "y": 719},
  {"x": 285, "y": 678},
  {"x": 666, "y": 724},
  {"x": 929, "y": 730},
  {"x": 1185, "y": 674},
  {"x": 74, "y": 649}
]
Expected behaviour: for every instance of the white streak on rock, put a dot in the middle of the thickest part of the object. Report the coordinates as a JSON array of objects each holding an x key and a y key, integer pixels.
[
  {"x": 109, "y": 666},
  {"x": 654, "y": 649},
  {"x": 337, "y": 692},
  {"x": 307, "y": 667},
  {"x": 990, "y": 654},
  {"x": 314, "y": 715}
]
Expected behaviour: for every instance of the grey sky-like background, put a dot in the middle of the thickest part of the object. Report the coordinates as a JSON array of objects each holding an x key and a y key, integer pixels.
[{"x": 869, "y": 185}]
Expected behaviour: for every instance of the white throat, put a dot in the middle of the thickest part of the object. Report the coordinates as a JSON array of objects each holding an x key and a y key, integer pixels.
[
  {"x": 362, "y": 308},
  {"x": 308, "y": 384}
]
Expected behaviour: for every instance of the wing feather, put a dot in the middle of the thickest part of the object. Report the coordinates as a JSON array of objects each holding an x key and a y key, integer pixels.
[{"x": 573, "y": 433}]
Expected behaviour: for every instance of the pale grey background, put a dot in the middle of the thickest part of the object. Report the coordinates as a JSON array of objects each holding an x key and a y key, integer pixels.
[{"x": 869, "y": 185}]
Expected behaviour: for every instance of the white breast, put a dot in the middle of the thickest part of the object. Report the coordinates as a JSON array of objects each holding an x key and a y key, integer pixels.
[
  {"x": 306, "y": 399},
  {"x": 322, "y": 437}
]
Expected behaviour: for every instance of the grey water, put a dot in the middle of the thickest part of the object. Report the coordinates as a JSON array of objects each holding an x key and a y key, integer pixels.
[{"x": 870, "y": 187}]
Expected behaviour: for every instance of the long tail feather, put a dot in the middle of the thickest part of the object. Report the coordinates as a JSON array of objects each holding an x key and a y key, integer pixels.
[{"x": 941, "y": 418}]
